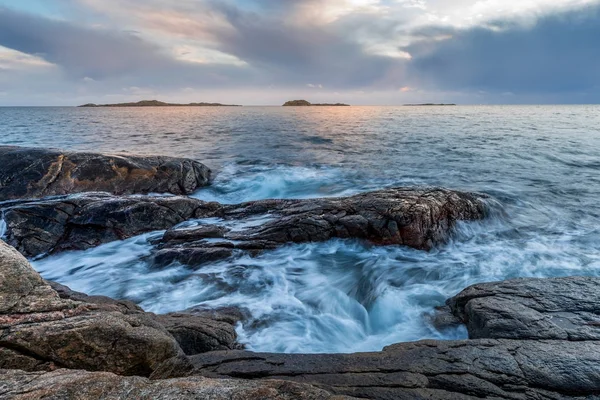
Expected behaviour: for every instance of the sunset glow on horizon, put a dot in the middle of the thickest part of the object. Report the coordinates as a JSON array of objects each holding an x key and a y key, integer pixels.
[{"x": 262, "y": 52}]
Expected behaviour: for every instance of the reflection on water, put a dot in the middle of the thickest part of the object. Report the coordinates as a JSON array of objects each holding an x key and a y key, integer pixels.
[{"x": 540, "y": 163}]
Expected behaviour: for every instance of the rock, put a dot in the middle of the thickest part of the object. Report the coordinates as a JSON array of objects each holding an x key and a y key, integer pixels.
[
  {"x": 196, "y": 331},
  {"x": 197, "y": 334},
  {"x": 66, "y": 293},
  {"x": 550, "y": 308},
  {"x": 183, "y": 235},
  {"x": 418, "y": 218},
  {"x": 70, "y": 384},
  {"x": 470, "y": 369},
  {"x": 35, "y": 173},
  {"x": 195, "y": 256},
  {"x": 86, "y": 220},
  {"x": 41, "y": 330}
]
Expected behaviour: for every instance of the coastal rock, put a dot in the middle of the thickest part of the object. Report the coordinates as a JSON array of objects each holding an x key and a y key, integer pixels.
[
  {"x": 418, "y": 218},
  {"x": 414, "y": 217},
  {"x": 41, "y": 330},
  {"x": 197, "y": 334},
  {"x": 87, "y": 220},
  {"x": 36, "y": 173},
  {"x": 549, "y": 308},
  {"x": 196, "y": 331},
  {"x": 71, "y": 384},
  {"x": 470, "y": 369}
]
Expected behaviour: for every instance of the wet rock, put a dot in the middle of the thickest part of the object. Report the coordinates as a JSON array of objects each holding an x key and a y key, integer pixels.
[
  {"x": 444, "y": 320},
  {"x": 70, "y": 384},
  {"x": 65, "y": 292},
  {"x": 192, "y": 256},
  {"x": 550, "y": 308},
  {"x": 36, "y": 173},
  {"x": 87, "y": 220},
  {"x": 41, "y": 330},
  {"x": 470, "y": 369},
  {"x": 419, "y": 218},
  {"x": 231, "y": 315},
  {"x": 196, "y": 334}
]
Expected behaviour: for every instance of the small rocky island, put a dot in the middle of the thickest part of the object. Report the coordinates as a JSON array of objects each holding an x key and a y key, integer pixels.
[
  {"x": 528, "y": 338},
  {"x": 429, "y": 105},
  {"x": 304, "y": 103},
  {"x": 156, "y": 103}
]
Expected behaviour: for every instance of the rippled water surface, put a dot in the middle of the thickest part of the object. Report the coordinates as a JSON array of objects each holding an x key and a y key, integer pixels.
[{"x": 541, "y": 164}]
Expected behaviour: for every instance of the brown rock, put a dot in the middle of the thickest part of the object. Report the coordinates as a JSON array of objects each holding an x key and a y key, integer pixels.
[
  {"x": 39, "y": 330},
  {"x": 35, "y": 173},
  {"x": 70, "y": 384}
]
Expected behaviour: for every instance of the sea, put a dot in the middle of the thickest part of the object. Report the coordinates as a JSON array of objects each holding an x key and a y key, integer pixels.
[{"x": 539, "y": 164}]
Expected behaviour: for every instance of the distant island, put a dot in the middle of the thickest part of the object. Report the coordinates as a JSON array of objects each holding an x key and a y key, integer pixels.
[
  {"x": 304, "y": 103},
  {"x": 156, "y": 103},
  {"x": 428, "y": 104}
]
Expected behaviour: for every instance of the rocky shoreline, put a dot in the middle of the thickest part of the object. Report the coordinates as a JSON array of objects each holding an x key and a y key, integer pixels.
[{"x": 528, "y": 338}]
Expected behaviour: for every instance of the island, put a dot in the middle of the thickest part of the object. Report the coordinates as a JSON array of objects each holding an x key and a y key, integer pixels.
[
  {"x": 429, "y": 104},
  {"x": 304, "y": 103},
  {"x": 156, "y": 103}
]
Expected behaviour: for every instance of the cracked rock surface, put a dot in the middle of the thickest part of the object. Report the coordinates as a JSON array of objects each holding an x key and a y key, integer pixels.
[
  {"x": 419, "y": 218},
  {"x": 531, "y": 339},
  {"x": 43, "y": 329},
  {"x": 88, "y": 220},
  {"x": 71, "y": 384},
  {"x": 35, "y": 173},
  {"x": 483, "y": 368},
  {"x": 548, "y": 308}
]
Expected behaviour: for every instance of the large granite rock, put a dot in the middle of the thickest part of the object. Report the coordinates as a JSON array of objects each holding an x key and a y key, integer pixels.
[
  {"x": 39, "y": 330},
  {"x": 69, "y": 384},
  {"x": 550, "y": 308},
  {"x": 196, "y": 330},
  {"x": 418, "y": 218},
  {"x": 531, "y": 339},
  {"x": 470, "y": 369},
  {"x": 86, "y": 220},
  {"x": 35, "y": 173}
]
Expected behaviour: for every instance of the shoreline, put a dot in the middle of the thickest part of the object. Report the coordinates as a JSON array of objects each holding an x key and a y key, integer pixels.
[{"x": 510, "y": 320}]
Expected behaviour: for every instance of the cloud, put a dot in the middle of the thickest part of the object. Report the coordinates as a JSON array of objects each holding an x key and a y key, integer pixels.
[
  {"x": 559, "y": 53},
  {"x": 370, "y": 51}
]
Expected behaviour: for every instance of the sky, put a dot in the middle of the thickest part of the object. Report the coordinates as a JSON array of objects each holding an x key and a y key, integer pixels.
[{"x": 264, "y": 52}]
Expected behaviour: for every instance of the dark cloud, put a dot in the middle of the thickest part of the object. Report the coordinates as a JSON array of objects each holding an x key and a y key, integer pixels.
[
  {"x": 82, "y": 51},
  {"x": 106, "y": 55},
  {"x": 298, "y": 53},
  {"x": 557, "y": 54}
]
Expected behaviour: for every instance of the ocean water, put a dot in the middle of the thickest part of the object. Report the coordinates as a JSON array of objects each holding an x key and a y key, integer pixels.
[{"x": 541, "y": 165}]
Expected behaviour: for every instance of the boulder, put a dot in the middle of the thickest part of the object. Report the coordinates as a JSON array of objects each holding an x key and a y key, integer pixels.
[
  {"x": 418, "y": 218},
  {"x": 196, "y": 330},
  {"x": 549, "y": 308},
  {"x": 39, "y": 330},
  {"x": 36, "y": 173},
  {"x": 199, "y": 334},
  {"x": 87, "y": 220},
  {"x": 469, "y": 369},
  {"x": 71, "y": 384}
]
